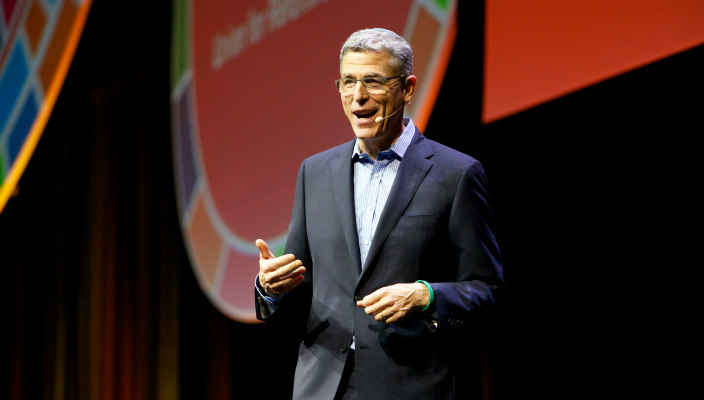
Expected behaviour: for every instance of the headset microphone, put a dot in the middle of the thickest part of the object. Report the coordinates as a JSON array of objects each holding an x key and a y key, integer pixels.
[{"x": 379, "y": 119}]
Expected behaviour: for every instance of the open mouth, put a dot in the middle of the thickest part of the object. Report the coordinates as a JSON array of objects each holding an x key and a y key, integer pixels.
[{"x": 364, "y": 114}]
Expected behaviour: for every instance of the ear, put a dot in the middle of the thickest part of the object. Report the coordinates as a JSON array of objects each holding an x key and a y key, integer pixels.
[{"x": 409, "y": 88}]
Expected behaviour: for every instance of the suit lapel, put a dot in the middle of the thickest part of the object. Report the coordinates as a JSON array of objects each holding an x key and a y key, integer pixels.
[
  {"x": 413, "y": 169},
  {"x": 341, "y": 175}
]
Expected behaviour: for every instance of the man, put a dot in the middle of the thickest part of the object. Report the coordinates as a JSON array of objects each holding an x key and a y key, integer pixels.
[{"x": 390, "y": 250}]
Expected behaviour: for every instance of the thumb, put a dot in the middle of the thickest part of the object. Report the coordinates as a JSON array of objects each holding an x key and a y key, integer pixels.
[{"x": 264, "y": 251}]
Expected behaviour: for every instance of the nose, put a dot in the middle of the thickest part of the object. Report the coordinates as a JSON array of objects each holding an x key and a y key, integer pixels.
[{"x": 360, "y": 92}]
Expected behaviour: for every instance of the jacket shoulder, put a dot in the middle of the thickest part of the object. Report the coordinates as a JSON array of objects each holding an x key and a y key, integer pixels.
[
  {"x": 326, "y": 156},
  {"x": 450, "y": 158}
]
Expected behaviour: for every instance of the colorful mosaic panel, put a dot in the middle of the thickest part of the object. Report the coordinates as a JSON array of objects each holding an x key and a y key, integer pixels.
[{"x": 38, "y": 39}]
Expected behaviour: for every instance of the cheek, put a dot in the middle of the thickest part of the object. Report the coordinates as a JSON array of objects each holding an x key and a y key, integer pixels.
[{"x": 345, "y": 106}]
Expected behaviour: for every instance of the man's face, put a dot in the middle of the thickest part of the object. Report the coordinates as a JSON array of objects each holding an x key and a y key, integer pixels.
[{"x": 363, "y": 107}]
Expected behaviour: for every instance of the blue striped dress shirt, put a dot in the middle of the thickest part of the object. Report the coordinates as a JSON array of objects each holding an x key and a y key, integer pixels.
[{"x": 372, "y": 184}]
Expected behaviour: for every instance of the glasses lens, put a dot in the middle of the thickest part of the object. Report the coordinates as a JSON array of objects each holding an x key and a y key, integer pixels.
[
  {"x": 373, "y": 84},
  {"x": 349, "y": 84}
]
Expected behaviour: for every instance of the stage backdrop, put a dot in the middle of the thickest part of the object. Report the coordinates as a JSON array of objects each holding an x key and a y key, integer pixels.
[
  {"x": 37, "y": 42},
  {"x": 252, "y": 96},
  {"x": 539, "y": 50}
]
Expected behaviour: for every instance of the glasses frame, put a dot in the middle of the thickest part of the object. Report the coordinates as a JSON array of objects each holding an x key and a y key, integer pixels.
[{"x": 383, "y": 80}]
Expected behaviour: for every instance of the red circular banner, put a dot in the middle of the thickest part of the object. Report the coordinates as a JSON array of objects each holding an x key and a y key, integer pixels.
[{"x": 253, "y": 95}]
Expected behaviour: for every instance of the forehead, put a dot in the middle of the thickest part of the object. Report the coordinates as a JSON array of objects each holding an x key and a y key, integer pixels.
[{"x": 366, "y": 63}]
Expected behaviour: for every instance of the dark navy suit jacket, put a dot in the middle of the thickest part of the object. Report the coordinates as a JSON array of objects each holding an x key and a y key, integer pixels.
[{"x": 437, "y": 226}]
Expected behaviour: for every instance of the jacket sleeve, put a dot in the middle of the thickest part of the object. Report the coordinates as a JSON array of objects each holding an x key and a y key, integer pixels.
[
  {"x": 292, "y": 308},
  {"x": 471, "y": 232}
]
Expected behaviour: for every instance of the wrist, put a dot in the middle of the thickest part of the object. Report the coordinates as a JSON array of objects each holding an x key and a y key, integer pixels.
[{"x": 431, "y": 294}]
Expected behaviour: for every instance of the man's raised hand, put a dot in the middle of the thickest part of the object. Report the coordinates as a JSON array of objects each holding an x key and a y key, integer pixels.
[{"x": 278, "y": 275}]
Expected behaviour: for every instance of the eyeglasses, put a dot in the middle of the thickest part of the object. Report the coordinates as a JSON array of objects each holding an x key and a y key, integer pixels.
[{"x": 373, "y": 84}]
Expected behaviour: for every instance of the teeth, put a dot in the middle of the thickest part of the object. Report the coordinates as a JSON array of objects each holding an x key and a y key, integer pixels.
[{"x": 364, "y": 115}]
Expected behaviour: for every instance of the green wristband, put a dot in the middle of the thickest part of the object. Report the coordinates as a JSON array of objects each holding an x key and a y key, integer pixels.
[{"x": 430, "y": 291}]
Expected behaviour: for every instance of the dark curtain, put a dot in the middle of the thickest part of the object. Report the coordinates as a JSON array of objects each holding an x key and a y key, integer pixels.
[{"x": 99, "y": 300}]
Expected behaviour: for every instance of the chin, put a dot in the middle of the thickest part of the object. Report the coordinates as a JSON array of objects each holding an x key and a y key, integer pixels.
[{"x": 365, "y": 133}]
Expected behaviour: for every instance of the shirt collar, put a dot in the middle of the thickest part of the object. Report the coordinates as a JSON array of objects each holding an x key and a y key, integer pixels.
[{"x": 398, "y": 149}]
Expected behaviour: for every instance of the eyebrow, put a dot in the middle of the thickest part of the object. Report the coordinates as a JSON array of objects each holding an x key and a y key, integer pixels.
[{"x": 369, "y": 75}]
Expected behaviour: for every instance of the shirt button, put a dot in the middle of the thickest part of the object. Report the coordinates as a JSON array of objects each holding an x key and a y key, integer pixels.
[
  {"x": 366, "y": 242},
  {"x": 370, "y": 207},
  {"x": 376, "y": 174}
]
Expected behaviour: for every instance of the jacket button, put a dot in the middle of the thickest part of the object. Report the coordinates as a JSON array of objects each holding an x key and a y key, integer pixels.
[
  {"x": 357, "y": 298},
  {"x": 343, "y": 348}
]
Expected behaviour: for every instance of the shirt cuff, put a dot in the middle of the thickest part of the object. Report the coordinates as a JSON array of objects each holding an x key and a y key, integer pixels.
[{"x": 271, "y": 302}]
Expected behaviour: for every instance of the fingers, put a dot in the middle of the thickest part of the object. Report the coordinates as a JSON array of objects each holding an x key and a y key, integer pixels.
[
  {"x": 278, "y": 275},
  {"x": 269, "y": 262},
  {"x": 379, "y": 305},
  {"x": 391, "y": 317},
  {"x": 278, "y": 288},
  {"x": 264, "y": 251},
  {"x": 280, "y": 272},
  {"x": 385, "y": 312},
  {"x": 391, "y": 303},
  {"x": 371, "y": 303}
]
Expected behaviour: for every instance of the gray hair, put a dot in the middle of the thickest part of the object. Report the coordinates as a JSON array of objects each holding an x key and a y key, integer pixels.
[{"x": 379, "y": 39}]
